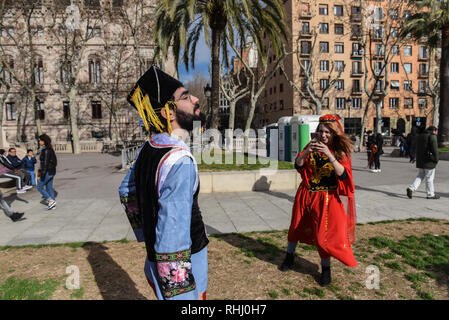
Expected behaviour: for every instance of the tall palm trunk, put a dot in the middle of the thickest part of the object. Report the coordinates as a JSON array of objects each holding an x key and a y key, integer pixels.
[
  {"x": 215, "y": 52},
  {"x": 443, "y": 132}
]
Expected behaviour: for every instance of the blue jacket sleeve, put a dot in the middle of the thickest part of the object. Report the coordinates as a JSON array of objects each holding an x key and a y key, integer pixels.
[
  {"x": 128, "y": 199},
  {"x": 173, "y": 242}
]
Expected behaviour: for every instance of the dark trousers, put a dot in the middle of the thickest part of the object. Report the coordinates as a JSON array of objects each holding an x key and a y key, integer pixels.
[{"x": 377, "y": 160}]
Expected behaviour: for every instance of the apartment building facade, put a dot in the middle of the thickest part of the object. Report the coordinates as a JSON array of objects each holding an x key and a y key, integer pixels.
[
  {"x": 349, "y": 56},
  {"x": 111, "y": 62}
]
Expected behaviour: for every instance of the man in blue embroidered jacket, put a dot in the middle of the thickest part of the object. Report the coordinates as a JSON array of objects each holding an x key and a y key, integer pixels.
[{"x": 160, "y": 191}]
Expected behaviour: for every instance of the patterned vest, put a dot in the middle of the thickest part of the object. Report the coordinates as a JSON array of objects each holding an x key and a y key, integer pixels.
[{"x": 146, "y": 169}]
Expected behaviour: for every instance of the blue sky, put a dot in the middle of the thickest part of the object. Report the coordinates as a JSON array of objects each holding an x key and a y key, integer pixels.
[{"x": 202, "y": 61}]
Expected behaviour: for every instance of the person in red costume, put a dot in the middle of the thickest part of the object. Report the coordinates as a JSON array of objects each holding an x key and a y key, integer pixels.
[{"x": 323, "y": 213}]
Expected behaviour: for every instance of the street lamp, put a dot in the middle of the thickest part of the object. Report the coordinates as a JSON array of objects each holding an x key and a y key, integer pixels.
[{"x": 207, "y": 93}]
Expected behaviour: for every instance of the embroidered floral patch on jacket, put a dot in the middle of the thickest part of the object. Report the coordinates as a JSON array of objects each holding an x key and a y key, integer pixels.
[{"x": 175, "y": 273}]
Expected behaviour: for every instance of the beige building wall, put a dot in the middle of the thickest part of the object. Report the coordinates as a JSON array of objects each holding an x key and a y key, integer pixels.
[{"x": 299, "y": 12}]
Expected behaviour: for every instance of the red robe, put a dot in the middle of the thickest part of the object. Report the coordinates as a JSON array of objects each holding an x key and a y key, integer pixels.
[{"x": 319, "y": 216}]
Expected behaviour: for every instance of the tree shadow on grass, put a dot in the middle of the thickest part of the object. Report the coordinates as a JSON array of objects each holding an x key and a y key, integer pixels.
[
  {"x": 114, "y": 282},
  {"x": 263, "y": 249}
]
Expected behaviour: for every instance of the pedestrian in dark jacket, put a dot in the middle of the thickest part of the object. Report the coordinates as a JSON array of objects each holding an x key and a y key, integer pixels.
[
  {"x": 48, "y": 163},
  {"x": 14, "y": 159},
  {"x": 371, "y": 139},
  {"x": 427, "y": 157},
  {"x": 379, "y": 142},
  {"x": 411, "y": 144},
  {"x": 29, "y": 162}
]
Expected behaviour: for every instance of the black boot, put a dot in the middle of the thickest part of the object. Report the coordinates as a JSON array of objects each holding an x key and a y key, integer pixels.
[
  {"x": 325, "y": 279},
  {"x": 288, "y": 262},
  {"x": 16, "y": 216}
]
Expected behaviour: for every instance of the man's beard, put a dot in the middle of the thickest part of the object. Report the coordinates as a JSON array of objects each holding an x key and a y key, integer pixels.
[{"x": 185, "y": 120}]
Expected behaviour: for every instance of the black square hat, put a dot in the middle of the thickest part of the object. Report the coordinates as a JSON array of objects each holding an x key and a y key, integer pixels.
[{"x": 151, "y": 93}]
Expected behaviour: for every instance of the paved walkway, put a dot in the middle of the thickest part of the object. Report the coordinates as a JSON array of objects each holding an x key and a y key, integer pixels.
[{"x": 88, "y": 208}]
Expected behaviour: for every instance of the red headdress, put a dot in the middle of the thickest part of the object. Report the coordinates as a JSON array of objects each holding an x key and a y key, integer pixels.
[{"x": 331, "y": 118}]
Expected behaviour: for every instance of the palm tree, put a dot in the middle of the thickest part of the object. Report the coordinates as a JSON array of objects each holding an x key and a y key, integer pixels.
[
  {"x": 431, "y": 22},
  {"x": 179, "y": 24}
]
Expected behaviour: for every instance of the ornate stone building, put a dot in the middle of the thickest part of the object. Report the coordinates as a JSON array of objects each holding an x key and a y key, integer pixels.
[{"x": 88, "y": 53}]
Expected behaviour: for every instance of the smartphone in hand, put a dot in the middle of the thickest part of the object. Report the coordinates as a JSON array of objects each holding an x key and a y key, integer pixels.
[{"x": 314, "y": 136}]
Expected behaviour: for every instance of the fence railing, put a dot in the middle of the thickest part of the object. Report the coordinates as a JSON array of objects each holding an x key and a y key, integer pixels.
[{"x": 129, "y": 155}]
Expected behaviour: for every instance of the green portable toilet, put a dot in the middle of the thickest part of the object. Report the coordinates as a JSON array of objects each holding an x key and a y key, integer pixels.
[{"x": 304, "y": 134}]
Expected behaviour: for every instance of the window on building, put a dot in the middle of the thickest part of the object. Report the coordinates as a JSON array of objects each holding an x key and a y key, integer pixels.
[
  {"x": 324, "y": 65},
  {"x": 306, "y": 47},
  {"x": 92, "y": 3},
  {"x": 407, "y": 67},
  {"x": 339, "y": 47},
  {"x": 394, "y": 85},
  {"x": 408, "y": 85},
  {"x": 96, "y": 110},
  {"x": 408, "y": 51},
  {"x": 11, "y": 111},
  {"x": 324, "y": 46},
  {"x": 324, "y": 28},
  {"x": 357, "y": 67},
  {"x": 340, "y": 84},
  {"x": 7, "y": 76},
  {"x": 356, "y": 30},
  {"x": 37, "y": 31},
  {"x": 423, "y": 69},
  {"x": 281, "y": 87},
  {"x": 94, "y": 70},
  {"x": 39, "y": 71},
  {"x": 422, "y": 86},
  {"x": 305, "y": 64},
  {"x": 356, "y": 103},
  {"x": 339, "y": 66},
  {"x": 394, "y": 103},
  {"x": 379, "y": 49},
  {"x": 40, "y": 110},
  {"x": 339, "y": 29},
  {"x": 324, "y": 84},
  {"x": 422, "y": 103},
  {"x": 395, "y": 50},
  {"x": 379, "y": 68},
  {"x": 340, "y": 103},
  {"x": 394, "y": 32},
  {"x": 394, "y": 14},
  {"x": 281, "y": 105},
  {"x": 357, "y": 49},
  {"x": 408, "y": 103},
  {"x": 66, "y": 109},
  {"x": 356, "y": 86},
  {"x": 379, "y": 86},
  {"x": 423, "y": 52},
  {"x": 323, "y": 9},
  {"x": 65, "y": 72},
  {"x": 378, "y": 32},
  {"x": 93, "y": 32},
  {"x": 394, "y": 67},
  {"x": 305, "y": 27},
  {"x": 338, "y": 10},
  {"x": 7, "y": 32},
  {"x": 378, "y": 13}
]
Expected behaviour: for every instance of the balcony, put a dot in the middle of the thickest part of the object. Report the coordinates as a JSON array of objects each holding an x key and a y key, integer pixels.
[
  {"x": 356, "y": 73},
  {"x": 357, "y": 17},
  {"x": 305, "y": 53},
  {"x": 305, "y": 15},
  {"x": 357, "y": 53},
  {"x": 379, "y": 55},
  {"x": 422, "y": 74},
  {"x": 305, "y": 34},
  {"x": 423, "y": 57},
  {"x": 356, "y": 36},
  {"x": 356, "y": 92},
  {"x": 422, "y": 92}
]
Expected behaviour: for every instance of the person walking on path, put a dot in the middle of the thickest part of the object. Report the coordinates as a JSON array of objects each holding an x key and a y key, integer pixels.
[
  {"x": 14, "y": 216},
  {"x": 379, "y": 141},
  {"x": 427, "y": 157},
  {"x": 48, "y": 162},
  {"x": 29, "y": 162},
  {"x": 411, "y": 144},
  {"x": 8, "y": 171},
  {"x": 160, "y": 191},
  {"x": 323, "y": 213},
  {"x": 369, "y": 144}
]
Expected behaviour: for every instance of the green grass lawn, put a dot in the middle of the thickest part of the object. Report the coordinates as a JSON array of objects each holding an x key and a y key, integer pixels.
[
  {"x": 443, "y": 149},
  {"x": 240, "y": 162}
]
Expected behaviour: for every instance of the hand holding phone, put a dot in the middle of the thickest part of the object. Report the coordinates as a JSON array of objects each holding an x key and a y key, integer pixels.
[{"x": 315, "y": 136}]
